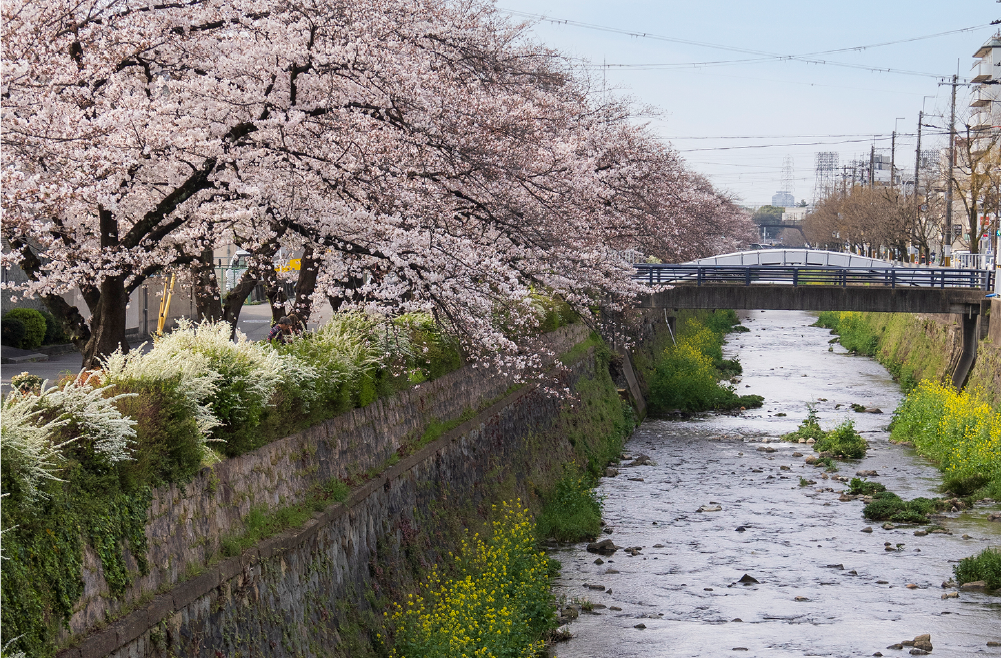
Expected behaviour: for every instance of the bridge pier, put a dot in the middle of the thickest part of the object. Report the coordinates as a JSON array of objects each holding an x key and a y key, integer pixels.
[{"x": 971, "y": 336}]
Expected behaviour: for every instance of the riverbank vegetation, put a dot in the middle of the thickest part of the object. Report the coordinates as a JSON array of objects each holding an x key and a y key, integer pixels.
[
  {"x": 572, "y": 511},
  {"x": 496, "y": 602},
  {"x": 687, "y": 371},
  {"x": 959, "y": 431}
]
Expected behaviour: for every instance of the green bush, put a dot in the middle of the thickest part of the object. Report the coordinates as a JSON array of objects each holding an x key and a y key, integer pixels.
[
  {"x": 54, "y": 334},
  {"x": 859, "y": 487},
  {"x": 843, "y": 441},
  {"x": 986, "y": 567},
  {"x": 34, "y": 326},
  {"x": 888, "y": 506},
  {"x": 573, "y": 511},
  {"x": 168, "y": 446},
  {"x": 808, "y": 429},
  {"x": 12, "y": 331}
]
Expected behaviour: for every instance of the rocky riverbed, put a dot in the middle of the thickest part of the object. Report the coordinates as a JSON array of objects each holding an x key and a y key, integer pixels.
[{"x": 731, "y": 544}]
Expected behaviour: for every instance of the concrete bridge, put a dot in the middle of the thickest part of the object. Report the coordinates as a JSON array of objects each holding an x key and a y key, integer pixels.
[{"x": 807, "y": 280}]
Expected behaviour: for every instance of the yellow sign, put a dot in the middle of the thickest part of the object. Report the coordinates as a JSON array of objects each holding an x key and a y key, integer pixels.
[{"x": 293, "y": 264}]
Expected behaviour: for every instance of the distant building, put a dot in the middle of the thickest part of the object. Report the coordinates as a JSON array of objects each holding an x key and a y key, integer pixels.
[{"x": 783, "y": 199}]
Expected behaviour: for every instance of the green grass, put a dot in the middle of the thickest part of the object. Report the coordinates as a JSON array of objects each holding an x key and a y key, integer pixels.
[
  {"x": 808, "y": 429},
  {"x": 986, "y": 567},
  {"x": 859, "y": 487},
  {"x": 572, "y": 512},
  {"x": 888, "y": 506},
  {"x": 843, "y": 441}
]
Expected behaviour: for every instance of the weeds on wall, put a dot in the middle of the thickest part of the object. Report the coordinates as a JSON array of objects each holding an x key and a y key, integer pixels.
[
  {"x": 689, "y": 374},
  {"x": 572, "y": 510},
  {"x": 498, "y": 603}
]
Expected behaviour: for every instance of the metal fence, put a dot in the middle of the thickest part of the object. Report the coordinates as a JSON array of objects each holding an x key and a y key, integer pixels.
[{"x": 890, "y": 277}]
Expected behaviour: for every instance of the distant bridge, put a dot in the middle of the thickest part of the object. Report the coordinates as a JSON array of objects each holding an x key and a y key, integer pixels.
[{"x": 807, "y": 280}]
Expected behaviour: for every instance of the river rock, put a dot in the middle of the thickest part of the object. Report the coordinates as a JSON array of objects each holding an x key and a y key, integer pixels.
[
  {"x": 611, "y": 571},
  {"x": 642, "y": 460},
  {"x": 636, "y": 479},
  {"x": 801, "y": 599},
  {"x": 604, "y": 547},
  {"x": 994, "y": 644},
  {"x": 888, "y": 526},
  {"x": 710, "y": 508},
  {"x": 615, "y": 608},
  {"x": 868, "y": 528},
  {"x": 599, "y": 561},
  {"x": 918, "y": 652},
  {"x": 640, "y": 626},
  {"x": 810, "y": 442},
  {"x": 740, "y": 528},
  {"x": 994, "y": 517},
  {"x": 801, "y": 441},
  {"x": 975, "y": 586},
  {"x": 811, "y": 460},
  {"x": 658, "y": 546},
  {"x": 895, "y": 646},
  {"x": 873, "y": 410},
  {"x": 766, "y": 449},
  {"x": 951, "y": 595},
  {"x": 844, "y": 498},
  {"x": 797, "y": 454},
  {"x": 600, "y": 588},
  {"x": 867, "y": 474},
  {"x": 611, "y": 472},
  {"x": 920, "y": 533},
  {"x": 748, "y": 580},
  {"x": 785, "y": 468}
]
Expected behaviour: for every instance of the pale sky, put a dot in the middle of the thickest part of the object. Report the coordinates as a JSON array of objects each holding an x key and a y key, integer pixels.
[{"x": 792, "y": 104}]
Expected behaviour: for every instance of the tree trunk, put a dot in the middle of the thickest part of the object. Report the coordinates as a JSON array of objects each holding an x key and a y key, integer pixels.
[
  {"x": 237, "y": 296},
  {"x": 302, "y": 306},
  {"x": 107, "y": 324},
  {"x": 208, "y": 301}
]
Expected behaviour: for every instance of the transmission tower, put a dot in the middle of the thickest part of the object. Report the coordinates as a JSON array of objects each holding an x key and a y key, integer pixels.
[
  {"x": 787, "y": 175},
  {"x": 826, "y": 179}
]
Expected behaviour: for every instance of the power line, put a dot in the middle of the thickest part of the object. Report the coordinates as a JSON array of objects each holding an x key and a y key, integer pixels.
[{"x": 763, "y": 56}]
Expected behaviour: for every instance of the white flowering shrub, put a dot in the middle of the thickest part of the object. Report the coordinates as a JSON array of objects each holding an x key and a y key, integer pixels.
[
  {"x": 90, "y": 418},
  {"x": 27, "y": 451},
  {"x": 189, "y": 371},
  {"x": 346, "y": 354}
]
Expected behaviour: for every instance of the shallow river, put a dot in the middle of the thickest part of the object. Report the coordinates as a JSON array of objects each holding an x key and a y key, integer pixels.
[{"x": 681, "y": 586}]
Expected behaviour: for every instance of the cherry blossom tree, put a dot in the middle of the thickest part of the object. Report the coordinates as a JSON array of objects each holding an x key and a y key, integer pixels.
[{"x": 422, "y": 155}]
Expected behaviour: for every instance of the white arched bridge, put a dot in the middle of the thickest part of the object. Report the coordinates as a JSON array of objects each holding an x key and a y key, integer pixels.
[{"x": 808, "y": 280}]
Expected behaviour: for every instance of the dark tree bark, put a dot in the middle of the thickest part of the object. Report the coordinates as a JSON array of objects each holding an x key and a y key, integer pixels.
[
  {"x": 208, "y": 301},
  {"x": 302, "y": 306}
]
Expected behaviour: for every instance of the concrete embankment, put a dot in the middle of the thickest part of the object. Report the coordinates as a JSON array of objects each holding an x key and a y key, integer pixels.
[{"x": 319, "y": 589}]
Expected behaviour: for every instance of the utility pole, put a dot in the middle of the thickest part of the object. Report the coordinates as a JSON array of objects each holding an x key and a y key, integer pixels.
[
  {"x": 872, "y": 164},
  {"x": 917, "y": 174},
  {"x": 893, "y": 159},
  {"x": 947, "y": 234}
]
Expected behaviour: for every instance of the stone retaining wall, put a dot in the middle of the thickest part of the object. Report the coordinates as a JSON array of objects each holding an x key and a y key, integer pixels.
[{"x": 187, "y": 524}]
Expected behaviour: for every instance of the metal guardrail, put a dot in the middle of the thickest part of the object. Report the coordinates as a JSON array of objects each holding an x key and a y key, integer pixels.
[{"x": 889, "y": 277}]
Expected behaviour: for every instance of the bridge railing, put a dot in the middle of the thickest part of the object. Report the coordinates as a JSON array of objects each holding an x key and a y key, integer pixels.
[{"x": 890, "y": 277}]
